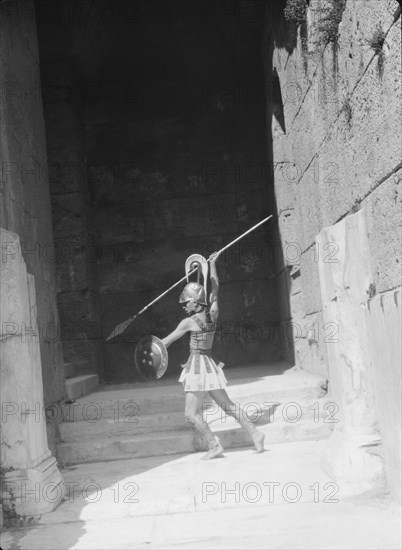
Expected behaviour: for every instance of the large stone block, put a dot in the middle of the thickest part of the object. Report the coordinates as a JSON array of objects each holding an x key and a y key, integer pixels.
[
  {"x": 218, "y": 172},
  {"x": 284, "y": 290},
  {"x": 310, "y": 281},
  {"x": 83, "y": 354},
  {"x": 26, "y": 461},
  {"x": 191, "y": 216},
  {"x": 383, "y": 315},
  {"x": 311, "y": 357},
  {"x": 297, "y": 306},
  {"x": 250, "y": 258},
  {"x": 24, "y": 185},
  {"x": 69, "y": 215},
  {"x": 15, "y": 314},
  {"x": 362, "y": 21},
  {"x": 64, "y": 116},
  {"x": 383, "y": 215},
  {"x": 21, "y": 95},
  {"x": 318, "y": 110},
  {"x": 128, "y": 267},
  {"x": 19, "y": 31},
  {"x": 360, "y": 165},
  {"x": 345, "y": 285},
  {"x": 77, "y": 313},
  {"x": 11, "y": 157},
  {"x": 294, "y": 79},
  {"x": 251, "y": 207},
  {"x": 281, "y": 152},
  {"x": 329, "y": 136},
  {"x": 289, "y": 234},
  {"x": 74, "y": 268},
  {"x": 68, "y": 170},
  {"x": 322, "y": 74},
  {"x": 286, "y": 178},
  {"x": 52, "y": 355},
  {"x": 308, "y": 208},
  {"x": 121, "y": 227}
]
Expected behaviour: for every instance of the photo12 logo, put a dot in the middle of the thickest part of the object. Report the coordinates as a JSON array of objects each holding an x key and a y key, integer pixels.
[
  {"x": 268, "y": 492},
  {"x": 70, "y": 411},
  {"x": 72, "y": 491}
]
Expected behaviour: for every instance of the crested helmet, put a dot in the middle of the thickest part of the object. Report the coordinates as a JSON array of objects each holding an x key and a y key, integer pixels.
[{"x": 193, "y": 291}]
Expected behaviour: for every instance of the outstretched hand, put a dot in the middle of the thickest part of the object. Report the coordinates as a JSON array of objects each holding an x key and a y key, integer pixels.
[{"x": 214, "y": 256}]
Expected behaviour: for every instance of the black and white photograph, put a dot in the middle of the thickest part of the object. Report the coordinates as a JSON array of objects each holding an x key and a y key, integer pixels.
[{"x": 200, "y": 274}]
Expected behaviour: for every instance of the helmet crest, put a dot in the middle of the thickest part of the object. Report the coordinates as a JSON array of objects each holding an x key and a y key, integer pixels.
[{"x": 195, "y": 290}]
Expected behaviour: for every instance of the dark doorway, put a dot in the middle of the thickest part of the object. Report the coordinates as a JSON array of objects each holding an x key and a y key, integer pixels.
[{"x": 156, "y": 135}]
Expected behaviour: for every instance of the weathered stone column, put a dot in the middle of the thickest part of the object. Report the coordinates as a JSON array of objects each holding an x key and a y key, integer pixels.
[
  {"x": 384, "y": 321},
  {"x": 352, "y": 452},
  {"x": 31, "y": 483}
]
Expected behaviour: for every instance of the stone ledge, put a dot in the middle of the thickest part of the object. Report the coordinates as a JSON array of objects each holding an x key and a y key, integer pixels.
[{"x": 81, "y": 385}]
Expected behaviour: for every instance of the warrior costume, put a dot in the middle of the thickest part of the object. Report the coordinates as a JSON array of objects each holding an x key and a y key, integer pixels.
[{"x": 200, "y": 372}]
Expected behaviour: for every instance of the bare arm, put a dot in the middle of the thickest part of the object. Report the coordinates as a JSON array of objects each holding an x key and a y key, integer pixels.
[
  {"x": 184, "y": 326},
  {"x": 214, "y": 309}
]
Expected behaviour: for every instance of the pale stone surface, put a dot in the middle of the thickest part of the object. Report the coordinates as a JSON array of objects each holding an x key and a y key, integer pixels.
[
  {"x": 25, "y": 204},
  {"x": 81, "y": 385},
  {"x": 27, "y": 465},
  {"x": 311, "y": 347},
  {"x": 310, "y": 281},
  {"x": 384, "y": 328},
  {"x": 342, "y": 118},
  {"x": 166, "y": 503},
  {"x": 149, "y": 421},
  {"x": 352, "y": 451},
  {"x": 289, "y": 236},
  {"x": 383, "y": 207},
  {"x": 285, "y": 178}
]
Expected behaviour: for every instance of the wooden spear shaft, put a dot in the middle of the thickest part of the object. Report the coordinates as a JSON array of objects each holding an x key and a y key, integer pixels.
[{"x": 122, "y": 327}]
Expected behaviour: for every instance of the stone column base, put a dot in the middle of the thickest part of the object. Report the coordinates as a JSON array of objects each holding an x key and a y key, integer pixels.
[
  {"x": 353, "y": 458},
  {"x": 32, "y": 492}
]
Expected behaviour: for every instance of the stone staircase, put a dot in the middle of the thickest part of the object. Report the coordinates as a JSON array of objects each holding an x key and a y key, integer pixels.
[
  {"x": 147, "y": 420},
  {"x": 78, "y": 385}
]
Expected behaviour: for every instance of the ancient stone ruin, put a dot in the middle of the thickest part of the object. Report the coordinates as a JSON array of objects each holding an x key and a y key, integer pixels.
[{"x": 133, "y": 134}]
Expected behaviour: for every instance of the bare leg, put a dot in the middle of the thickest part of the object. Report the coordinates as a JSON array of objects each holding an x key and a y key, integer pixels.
[
  {"x": 194, "y": 401},
  {"x": 223, "y": 400}
]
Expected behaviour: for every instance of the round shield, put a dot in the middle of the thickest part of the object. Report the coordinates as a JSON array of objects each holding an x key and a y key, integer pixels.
[{"x": 151, "y": 357}]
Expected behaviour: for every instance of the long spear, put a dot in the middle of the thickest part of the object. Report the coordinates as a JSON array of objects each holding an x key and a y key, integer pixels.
[{"x": 122, "y": 326}]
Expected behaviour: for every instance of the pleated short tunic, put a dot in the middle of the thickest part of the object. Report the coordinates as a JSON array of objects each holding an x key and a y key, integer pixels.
[{"x": 200, "y": 372}]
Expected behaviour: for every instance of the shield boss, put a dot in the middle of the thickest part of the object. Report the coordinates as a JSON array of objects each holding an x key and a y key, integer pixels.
[{"x": 151, "y": 357}]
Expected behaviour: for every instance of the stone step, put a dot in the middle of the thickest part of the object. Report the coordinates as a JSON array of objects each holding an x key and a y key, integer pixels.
[
  {"x": 147, "y": 420},
  {"x": 126, "y": 446},
  {"x": 132, "y": 424},
  {"x": 78, "y": 386},
  {"x": 161, "y": 443},
  {"x": 162, "y": 398},
  {"x": 69, "y": 370}
]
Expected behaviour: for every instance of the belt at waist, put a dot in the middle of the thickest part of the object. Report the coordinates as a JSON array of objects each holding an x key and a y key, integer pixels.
[
  {"x": 196, "y": 359},
  {"x": 201, "y": 351}
]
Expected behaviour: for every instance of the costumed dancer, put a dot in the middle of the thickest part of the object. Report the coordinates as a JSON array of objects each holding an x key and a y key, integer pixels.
[{"x": 201, "y": 375}]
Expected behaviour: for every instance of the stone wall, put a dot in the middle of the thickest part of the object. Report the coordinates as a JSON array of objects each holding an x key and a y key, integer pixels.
[
  {"x": 161, "y": 208},
  {"x": 335, "y": 148},
  {"x": 76, "y": 258},
  {"x": 157, "y": 127},
  {"x": 177, "y": 166},
  {"x": 24, "y": 187},
  {"x": 27, "y": 466}
]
